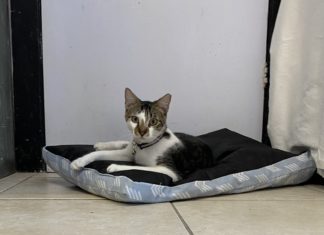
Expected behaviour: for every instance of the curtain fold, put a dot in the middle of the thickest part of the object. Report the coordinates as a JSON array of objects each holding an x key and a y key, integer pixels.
[{"x": 296, "y": 95}]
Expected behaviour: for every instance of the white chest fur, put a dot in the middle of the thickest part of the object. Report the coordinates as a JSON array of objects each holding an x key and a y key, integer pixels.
[{"x": 148, "y": 156}]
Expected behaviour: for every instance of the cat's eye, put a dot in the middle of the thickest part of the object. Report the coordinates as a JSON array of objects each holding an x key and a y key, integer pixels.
[
  {"x": 134, "y": 119},
  {"x": 153, "y": 121}
]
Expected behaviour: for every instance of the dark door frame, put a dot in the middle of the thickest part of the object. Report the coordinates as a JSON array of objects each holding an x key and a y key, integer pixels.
[
  {"x": 26, "y": 27},
  {"x": 273, "y": 9},
  {"x": 26, "y": 19}
]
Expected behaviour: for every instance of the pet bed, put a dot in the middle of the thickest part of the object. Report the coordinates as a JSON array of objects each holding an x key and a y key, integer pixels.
[{"x": 243, "y": 165}]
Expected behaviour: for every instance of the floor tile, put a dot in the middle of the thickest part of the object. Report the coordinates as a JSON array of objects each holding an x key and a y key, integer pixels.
[
  {"x": 12, "y": 180},
  {"x": 42, "y": 187},
  {"x": 45, "y": 203},
  {"x": 47, "y": 174},
  {"x": 318, "y": 188},
  {"x": 253, "y": 217},
  {"x": 275, "y": 194},
  {"x": 87, "y": 217}
]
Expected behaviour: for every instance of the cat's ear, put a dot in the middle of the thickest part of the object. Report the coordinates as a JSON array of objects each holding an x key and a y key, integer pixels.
[
  {"x": 130, "y": 98},
  {"x": 164, "y": 103}
]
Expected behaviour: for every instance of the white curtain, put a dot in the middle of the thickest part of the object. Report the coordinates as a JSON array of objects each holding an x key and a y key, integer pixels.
[{"x": 296, "y": 103}]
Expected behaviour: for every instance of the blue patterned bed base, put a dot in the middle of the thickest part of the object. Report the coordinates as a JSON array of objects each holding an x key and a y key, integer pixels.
[{"x": 292, "y": 171}]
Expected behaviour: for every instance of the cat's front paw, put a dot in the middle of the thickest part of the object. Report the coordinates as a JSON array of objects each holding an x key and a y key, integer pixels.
[
  {"x": 100, "y": 146},
  {"x": 77, "y": 164},
  {"x": 114, "y": 167}
]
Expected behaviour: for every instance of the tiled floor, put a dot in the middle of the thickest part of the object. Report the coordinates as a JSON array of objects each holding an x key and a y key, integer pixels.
[{"x": 46, "y": 204}]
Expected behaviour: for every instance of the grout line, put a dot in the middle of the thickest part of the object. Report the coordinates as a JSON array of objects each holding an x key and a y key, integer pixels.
[
  {"x": 52, "y": 199},
  {"x": 182, "y": 219},
  {"x": 15, "y": 184}
]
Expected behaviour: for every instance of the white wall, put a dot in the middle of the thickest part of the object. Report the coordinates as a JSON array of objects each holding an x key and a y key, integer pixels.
[{"x": 209, "y": 54}]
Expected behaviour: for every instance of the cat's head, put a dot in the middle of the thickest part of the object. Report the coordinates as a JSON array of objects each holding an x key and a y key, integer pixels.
[{"x": 145, "y": 119}]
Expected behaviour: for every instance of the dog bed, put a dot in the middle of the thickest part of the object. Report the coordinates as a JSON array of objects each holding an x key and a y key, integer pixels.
[{"x": 242, "y": 165}]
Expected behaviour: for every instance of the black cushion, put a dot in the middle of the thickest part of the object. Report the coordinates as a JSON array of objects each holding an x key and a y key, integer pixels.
[{"x": 232, "y": 153}]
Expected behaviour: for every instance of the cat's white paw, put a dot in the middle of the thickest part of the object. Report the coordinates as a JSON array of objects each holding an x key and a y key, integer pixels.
[
  {"x": 111, "y": 145},
  {"x": 114, "y": 167},
  {"x": 100, "y": 146},
  {"x": 77, "y": 164}
]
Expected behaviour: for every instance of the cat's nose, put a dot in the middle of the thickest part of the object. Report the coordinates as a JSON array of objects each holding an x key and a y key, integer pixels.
[{"x": 142, "y": 131}]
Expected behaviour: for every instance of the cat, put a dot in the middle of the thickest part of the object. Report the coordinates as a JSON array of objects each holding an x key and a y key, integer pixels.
[{"x": 154, "y": 147}]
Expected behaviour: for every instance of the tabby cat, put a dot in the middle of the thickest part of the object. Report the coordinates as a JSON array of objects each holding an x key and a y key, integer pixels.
[{"x": 154, "y": 147}]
